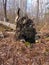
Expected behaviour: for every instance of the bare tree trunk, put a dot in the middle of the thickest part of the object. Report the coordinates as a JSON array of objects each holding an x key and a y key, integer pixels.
[
  {"x": 37, "y": 11},
  {"x": 4, "y": 6}
]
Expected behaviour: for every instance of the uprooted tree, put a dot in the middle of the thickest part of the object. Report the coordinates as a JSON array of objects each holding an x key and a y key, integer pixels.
[{"x": 25, "y": 29}]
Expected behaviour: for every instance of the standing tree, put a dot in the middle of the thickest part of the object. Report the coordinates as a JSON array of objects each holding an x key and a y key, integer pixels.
[
  {"x": 4, "y": 6},
  {"x": 37, "y": 11}
]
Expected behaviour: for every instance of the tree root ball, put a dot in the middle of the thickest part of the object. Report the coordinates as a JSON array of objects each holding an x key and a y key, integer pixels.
[{"x": 25, "y": 30}]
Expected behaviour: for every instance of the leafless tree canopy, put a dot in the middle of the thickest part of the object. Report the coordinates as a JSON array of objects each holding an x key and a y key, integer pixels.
[{"x": 38, "y": 9}]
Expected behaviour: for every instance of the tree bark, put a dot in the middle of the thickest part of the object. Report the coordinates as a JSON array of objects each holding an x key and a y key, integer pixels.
[
  {"x": 4, "y": 6},
  {"x": 37, "y": 11}
]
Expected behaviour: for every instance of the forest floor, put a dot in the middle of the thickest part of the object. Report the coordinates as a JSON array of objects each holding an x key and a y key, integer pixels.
[{"x": 14, "y": 52}]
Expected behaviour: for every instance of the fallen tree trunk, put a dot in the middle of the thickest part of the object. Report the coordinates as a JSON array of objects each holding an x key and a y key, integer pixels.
[{"x": 10, "y": 25}]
